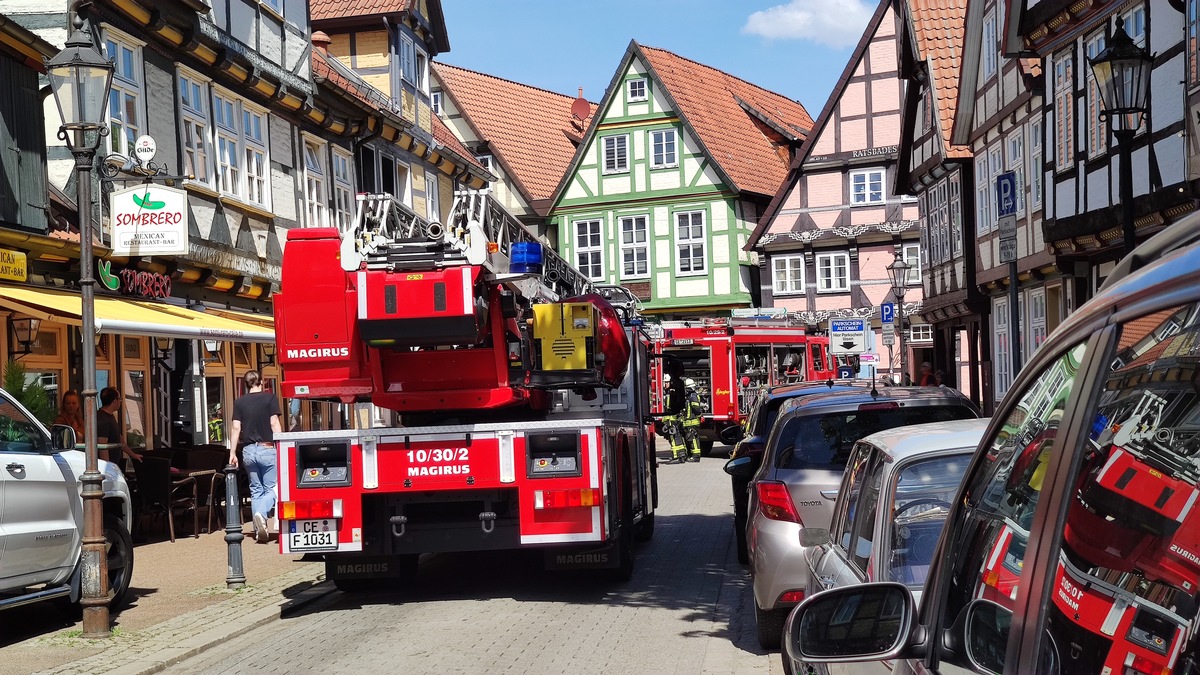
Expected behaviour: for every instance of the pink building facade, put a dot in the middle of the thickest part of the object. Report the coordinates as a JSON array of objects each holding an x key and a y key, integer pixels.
[{"x": 827, "y": 238}]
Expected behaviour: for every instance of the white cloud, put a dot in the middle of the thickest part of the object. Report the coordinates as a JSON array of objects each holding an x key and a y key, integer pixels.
[{"x": 835, "y": 23}]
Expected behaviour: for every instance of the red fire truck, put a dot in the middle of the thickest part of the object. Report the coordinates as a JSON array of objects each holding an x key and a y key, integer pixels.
[
  {"x": 519, "y": 391},
  {"x": 733, "y": 359}
]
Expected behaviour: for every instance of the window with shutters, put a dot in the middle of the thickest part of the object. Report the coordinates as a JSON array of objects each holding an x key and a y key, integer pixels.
[
  {"x": 23, "y": 183},
  {"x": 616, "y": 154},
  {"x": 408, "y": 60}
]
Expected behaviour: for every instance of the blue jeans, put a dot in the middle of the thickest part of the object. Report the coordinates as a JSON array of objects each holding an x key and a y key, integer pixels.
[{"x": 259, "y": 459}]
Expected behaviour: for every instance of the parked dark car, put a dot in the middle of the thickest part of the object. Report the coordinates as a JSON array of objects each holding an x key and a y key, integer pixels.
[
  {"x": 1073, "y": 545},
  {"x": 749, "y": 441},
  {"x": 797, "y": 483}
]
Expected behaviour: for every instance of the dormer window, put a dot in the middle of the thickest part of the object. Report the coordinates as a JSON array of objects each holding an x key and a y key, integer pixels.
[{"x": 637, "y": 90}]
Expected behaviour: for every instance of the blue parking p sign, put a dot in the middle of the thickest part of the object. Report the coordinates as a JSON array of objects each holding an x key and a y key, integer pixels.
[
  {"x": 1006, "y": 194},
  {"x": 887, "y": 312}
]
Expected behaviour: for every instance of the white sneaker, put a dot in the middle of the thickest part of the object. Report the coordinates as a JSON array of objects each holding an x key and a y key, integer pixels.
[{"x": 261, "y": 534}]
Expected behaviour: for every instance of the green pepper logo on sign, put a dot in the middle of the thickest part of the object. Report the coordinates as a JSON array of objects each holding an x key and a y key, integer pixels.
[{"x": 146, "y": 203}]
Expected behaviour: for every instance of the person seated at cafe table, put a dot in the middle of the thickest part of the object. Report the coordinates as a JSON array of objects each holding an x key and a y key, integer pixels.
[{"x": 108, "y": 429}]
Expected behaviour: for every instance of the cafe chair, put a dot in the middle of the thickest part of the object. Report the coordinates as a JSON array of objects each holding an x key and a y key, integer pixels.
[{"x": 166, "y": 493}]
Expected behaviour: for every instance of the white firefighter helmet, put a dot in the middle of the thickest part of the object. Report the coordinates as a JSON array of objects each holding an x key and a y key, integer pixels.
[
  {"x": 666, "y": 378},
  {"x": 689, "y": 383}
]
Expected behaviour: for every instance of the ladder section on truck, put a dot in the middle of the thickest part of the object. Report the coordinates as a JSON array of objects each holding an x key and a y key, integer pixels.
[{"x": 389, "y": 236}]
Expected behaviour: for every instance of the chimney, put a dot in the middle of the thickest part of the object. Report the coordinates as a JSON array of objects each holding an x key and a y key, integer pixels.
[{"x": 321, "y": 41}]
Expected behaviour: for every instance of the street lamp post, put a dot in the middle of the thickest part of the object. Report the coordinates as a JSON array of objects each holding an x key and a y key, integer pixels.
[
  {"x": 898, "y": 274},
  {"x": 80, "y": 78},
  {"x": 1122, "y": 73}
]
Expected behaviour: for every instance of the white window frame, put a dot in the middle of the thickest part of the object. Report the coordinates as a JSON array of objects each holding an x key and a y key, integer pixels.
[
  {"x": 620, "y": 164},
  {"x": 433, "y": 197},
  {"x": 867, "y": 178},
  {"x": 435, "y": 103},
  {"x": 996, "y": 165},
  {"x": 485, "y": 160},
  {"x": 631, "y": 246},
  {"x": 1096, "y": 133},
  {"x": 1016, "y": 164},
  {"x": 256, "y": 149},
  {"x": 792, "y": 281},
  {"x": 343, "y": 189},
  {"x": 664, "y": 137},
  {"x": 912, "y": 256},
  {"x": 125, "y": 84},
  {"x": 1036, "y": 320},
  {"x": 921, "y": 332},
  {"x": 983, "y": 197},
  {"x": 954, "y": 212},
  {"x": 990, "y": 43},
  {"x": 631, "y": 85},
  {"x": 316, "y": 181},
  {"x": 195, "y": 126},
  {"x": 594, "y": 248},
  {"x": 691, "y": 243},
  {"x": 1036, "y": 162},
  {"x": 832, "y": 262},
  {"x": 235, "y": 135},
  {"x": 421, "y": 70},
  {"x": 1001, "y": 354},
  {"x": 1135, "y": 24},
  {"x": 1063, "y": 83}
]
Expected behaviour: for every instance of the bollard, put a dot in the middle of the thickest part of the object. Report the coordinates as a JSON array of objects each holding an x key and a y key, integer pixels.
[{"x": 233, "y": 529}]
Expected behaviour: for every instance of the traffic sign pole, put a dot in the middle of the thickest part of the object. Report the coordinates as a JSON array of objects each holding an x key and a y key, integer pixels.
[{"x": 1006, "y": 197}]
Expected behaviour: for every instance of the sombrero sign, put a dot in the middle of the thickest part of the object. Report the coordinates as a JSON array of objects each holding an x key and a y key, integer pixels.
[{"x": 148, "y": 220}]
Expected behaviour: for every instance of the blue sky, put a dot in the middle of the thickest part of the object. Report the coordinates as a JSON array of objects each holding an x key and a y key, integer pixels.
[{"x": 797, "y": 48}]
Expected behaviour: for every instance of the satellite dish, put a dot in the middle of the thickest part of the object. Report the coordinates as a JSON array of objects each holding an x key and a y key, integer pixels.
[{"x": 580, "y": 108}]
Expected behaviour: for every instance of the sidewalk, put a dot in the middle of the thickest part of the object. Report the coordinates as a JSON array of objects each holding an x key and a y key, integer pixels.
[{"x": 179, "y": 606}]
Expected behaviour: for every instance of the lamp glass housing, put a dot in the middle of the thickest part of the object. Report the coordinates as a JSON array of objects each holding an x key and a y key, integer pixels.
[
  {"x": 898, "y": 275},
  {"x": 25, "y": 331},
  {"x": 80, "y": 79},
  {"x": 1122, "y": 72}
]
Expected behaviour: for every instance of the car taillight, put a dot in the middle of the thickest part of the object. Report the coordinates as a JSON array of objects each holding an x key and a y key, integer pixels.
[
  {"x": 565, "y": 499},
  {"x": 312, "y": 508},
  {"x": 775, "y": 502},
  {"x": 792, "y": 597}
]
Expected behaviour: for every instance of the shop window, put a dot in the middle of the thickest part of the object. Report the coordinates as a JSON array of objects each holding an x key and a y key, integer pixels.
[
  {"x": 134, "y": 390},
  {"x": 241, "y": 355},
  {"x": 214, "y": 396},
  {"x": 46, "y": 343}
]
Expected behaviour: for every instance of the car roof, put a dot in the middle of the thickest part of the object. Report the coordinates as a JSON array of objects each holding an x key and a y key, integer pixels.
[
  {"x": 920, "y": 439},
  {"x": 824, "y": 386},
  {"x": 861, "y": 395}
]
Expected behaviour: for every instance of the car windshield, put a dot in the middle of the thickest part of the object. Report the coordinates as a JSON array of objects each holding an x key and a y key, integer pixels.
[
  {"x": 923, "y": 494},
  {"x": 824, "y": 440}
]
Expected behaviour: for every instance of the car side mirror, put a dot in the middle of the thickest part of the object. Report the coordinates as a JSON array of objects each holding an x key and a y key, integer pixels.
[
  {"x": 741, "y": 467},
  {"x": 814, "y": 536},
  {"x": 732, "y": 434},
  {"x": 62, "y": 437},
  {"x": 867, "y": 622}
]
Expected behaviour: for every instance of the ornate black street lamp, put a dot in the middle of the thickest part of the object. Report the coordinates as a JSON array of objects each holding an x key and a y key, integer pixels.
[
  {"x": 1122, "y": 73},
  {"x": 898, "y": 274},
  {"x": 80, "y": 79}
]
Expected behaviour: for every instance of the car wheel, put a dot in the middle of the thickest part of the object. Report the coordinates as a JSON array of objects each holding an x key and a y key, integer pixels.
[
  {"x": 119, "y": 554},
  {"x": 770, "y": 626}
]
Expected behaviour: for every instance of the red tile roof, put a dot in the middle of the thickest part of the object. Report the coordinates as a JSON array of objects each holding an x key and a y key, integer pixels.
[
  {"x": 710, "y": 101},
  {"x": 529, "y": 130},
  {"x": 443, "y": 135},
  {"x": 337, "y": 9},
  {"x": 939, "y": 27}
]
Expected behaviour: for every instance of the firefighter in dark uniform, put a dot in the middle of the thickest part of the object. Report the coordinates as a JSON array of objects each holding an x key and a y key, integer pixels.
[
  {"x": 674, "y": 406},
  {"x": 691, "y": 419}
]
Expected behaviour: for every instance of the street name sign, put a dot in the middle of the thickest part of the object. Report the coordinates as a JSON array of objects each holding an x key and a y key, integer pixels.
[{"x": 847, "y": 336}]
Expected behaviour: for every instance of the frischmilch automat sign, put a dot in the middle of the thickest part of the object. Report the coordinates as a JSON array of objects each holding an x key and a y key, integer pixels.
[{"x": 148, "y": 220}]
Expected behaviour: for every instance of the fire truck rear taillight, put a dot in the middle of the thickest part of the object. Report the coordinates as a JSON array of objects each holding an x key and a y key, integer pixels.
[
  {"x": 775, "y": 501},
  {"x": 309, "y": 509},
  {"x": 1140, "y": 665},
  {"x": 565, "y": 499}
]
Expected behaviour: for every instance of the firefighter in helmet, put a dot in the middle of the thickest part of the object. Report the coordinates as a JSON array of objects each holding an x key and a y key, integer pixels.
[
  {"x": 674, "y": 407},
  {"x": 691, "y": 419}
]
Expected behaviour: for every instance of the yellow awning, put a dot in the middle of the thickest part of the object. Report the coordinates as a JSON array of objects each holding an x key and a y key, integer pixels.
[
  {"x": 130, "y": 317},
  {"x": 266, "y": 320}
]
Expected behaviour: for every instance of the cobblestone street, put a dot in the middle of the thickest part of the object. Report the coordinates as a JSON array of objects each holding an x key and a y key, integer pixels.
[{"x": 688, "y": 609}]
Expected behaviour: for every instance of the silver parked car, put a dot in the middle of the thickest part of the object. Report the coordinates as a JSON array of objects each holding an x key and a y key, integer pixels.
[
  {"x": 797, "y": 482},
  {"x": 898, "y": 487}
]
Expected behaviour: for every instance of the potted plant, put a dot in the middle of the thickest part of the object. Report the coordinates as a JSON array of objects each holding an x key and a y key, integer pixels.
[{"x": 29, "y": 393}]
